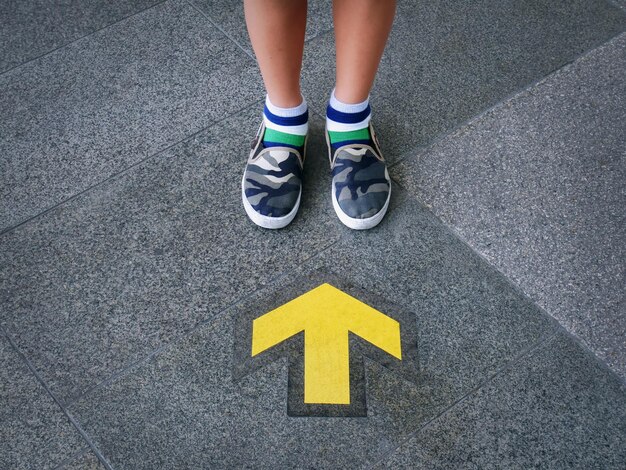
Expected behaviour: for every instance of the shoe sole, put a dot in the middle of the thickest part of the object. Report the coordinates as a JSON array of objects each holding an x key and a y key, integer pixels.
[
  {"x": 360, "y": 224},
  {"x": 265, "y": 221}
]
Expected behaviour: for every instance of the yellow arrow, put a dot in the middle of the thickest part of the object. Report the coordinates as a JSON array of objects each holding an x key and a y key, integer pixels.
[{"x": 326, "y": 315}]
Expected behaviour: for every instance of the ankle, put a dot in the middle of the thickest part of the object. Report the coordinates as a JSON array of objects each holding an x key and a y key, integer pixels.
[
  {"x": 348, "y": 123},
  {"x": 285, "y": 100},
  {"x": 285, "y": 127},
  {"x": 350, "y": 96}
]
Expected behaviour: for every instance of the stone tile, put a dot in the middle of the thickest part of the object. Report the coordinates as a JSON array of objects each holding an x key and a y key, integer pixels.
[
  {"x": 558, "y": 408},
  {"x": 34, "y": 431},
  {"x": 537, "y": 186},
  {"x": 619, "y": 3},
  {"x": 85, "y": 461},
  {"x": 183, "y": 408},
  {"x": 470, "y": 320},
  {"x": 91, "y": 109},
  {"x": 448, "y": 60},
  {"x": 229, "y": 16},
  {"x": 108, "y": 277},
  {"x": 31, "y": 28}
]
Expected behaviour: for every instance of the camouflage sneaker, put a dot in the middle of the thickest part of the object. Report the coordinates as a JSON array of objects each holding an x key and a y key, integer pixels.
[
  {"x": 272, "y": 183},
  {"x": 361, "y": 187}
]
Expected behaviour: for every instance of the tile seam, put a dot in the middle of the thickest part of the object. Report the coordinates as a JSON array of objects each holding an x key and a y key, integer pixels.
[
  {"x": 208, "y": 323},
  {"x": 423, "y": 148},
  {"x": 85, "y": 437},
  {"x": 193, "y": 5},
  {"x": 524, "y": 354},
  {"x": 527, "y": 296},
  {"x": 451, "y": 229},
  {"x": 73, "y": 457},
  {"x": 5, "y": 72},
  {"x": 250, "y": 54},
  {"x": 518, "y": 289},
  {"x": 324, "y": 32},
  {"x": 124, "y": 170},
  {"x": 616, "y": 4}
]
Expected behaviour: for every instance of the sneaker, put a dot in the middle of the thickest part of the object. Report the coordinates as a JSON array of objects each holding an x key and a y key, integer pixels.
[
  {"x": 272, "y": 183},
  {"x": 361, "y": 187}
]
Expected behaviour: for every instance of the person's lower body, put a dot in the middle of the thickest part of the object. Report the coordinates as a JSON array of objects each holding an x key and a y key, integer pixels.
[{"x": 272, "y": 181}]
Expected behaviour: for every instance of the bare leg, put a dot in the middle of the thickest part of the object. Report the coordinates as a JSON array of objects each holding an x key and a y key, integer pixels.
[
  {"x": 361, "y": 31},
  {"x": 276, "y": 29}
]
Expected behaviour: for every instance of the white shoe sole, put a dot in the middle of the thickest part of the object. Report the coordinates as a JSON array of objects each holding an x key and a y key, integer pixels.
[
  {"x": 263, "y": 220},
  {"x": 360, "y": 224}
]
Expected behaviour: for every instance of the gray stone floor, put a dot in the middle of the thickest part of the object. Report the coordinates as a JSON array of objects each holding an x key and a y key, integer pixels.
[
  {"x": 538, "y": 185},
  {"x": 128, "y": 268}
]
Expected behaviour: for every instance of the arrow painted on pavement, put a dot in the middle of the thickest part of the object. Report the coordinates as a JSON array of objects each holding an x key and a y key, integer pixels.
[{"x": 326, "y": 315}]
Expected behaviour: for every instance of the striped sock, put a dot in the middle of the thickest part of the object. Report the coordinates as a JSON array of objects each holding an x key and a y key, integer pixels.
[
  {"x": 347, "y": 123},
  {"x": 285, "y": 127}
]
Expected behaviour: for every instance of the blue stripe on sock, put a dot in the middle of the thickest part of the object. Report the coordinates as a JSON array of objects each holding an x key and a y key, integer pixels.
[
  {"x": 287, "y": 121},
  {"x": 347, "y": 118},
  {"x": 278, "y": 144}
]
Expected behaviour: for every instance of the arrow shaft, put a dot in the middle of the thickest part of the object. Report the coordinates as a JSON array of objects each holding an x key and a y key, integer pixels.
[{"x": 326, "y": 367}]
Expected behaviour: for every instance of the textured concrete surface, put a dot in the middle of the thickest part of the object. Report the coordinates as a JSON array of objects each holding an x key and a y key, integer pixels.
[
  {"x": 93, "y": 108},
  {"x": 448, "y": 60},
  {"x": 103, "y": 280},
  {"x": 620, "y": 3},
  {"x": 87, "y": 460},
  {"x": 229, "y": 17},
  {"x": 32, "y": 28},
  {"x": 183, "y": 408},
  {"x": 34, "y": 431},
  {"x": 557, "y": 408},
  {"x": 129, "y": 273},
  {"x": 538, "y": 186}
]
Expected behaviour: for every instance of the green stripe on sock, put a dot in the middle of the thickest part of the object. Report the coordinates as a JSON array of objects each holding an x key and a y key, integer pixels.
[
  {"x": 361, "y": 134},
  {"x": 272, "y": 135}
]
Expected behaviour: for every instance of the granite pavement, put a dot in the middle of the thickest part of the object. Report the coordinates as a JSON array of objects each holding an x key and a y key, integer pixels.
[{"x": 130, "y": 275}]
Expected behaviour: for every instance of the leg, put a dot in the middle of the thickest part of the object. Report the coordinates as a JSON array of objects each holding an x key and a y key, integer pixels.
[
  {"x": 272, "y": 182},
  {"x": 276, "y": 29},
  {"x": 361, "y": 186},
  {"x": 361, "y": 31}
]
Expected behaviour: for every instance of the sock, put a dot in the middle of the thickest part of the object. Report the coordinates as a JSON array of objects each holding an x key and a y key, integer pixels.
[
  {"x": 347, "y": 123},
  {"x": 285, "y": 127}
]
